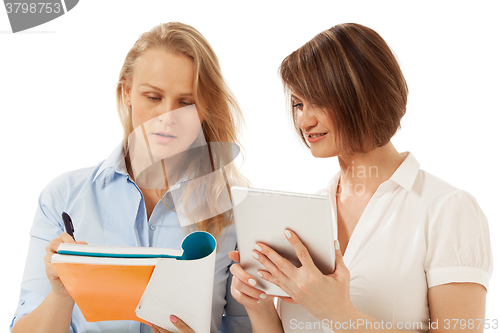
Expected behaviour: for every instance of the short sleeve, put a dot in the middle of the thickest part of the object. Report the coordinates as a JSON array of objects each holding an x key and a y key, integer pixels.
[{"x": 458, "y": 248}]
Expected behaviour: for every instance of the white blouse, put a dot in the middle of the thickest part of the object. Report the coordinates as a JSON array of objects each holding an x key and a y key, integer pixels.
[{"x": 416, "y": 232}]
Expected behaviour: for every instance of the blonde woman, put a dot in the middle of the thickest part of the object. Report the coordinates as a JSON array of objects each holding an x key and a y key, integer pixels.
[
  {"x": 171, "y": 90},
  {"x": 413, "y": 252}
]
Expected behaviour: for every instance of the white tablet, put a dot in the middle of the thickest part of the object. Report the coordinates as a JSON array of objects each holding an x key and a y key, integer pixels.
[{"x": 263, "y": 215}]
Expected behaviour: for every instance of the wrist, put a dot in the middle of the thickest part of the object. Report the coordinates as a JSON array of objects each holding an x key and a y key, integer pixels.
[
  {"x": 348, "y": 312},
  {"x": 64, "y": 299},
  {"x": 264, "y": 307}
]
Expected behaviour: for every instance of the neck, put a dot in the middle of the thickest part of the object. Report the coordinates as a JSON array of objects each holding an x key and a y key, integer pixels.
[
  {"x": 364, "y": 172},
  {"x": 158, "y": 179}
]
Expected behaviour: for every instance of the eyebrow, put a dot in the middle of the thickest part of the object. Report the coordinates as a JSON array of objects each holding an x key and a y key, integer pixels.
[
  {"x": 150, "y": 86},
  {"x": 295, "y": 97},
  {"x": 156, "y": 88}
]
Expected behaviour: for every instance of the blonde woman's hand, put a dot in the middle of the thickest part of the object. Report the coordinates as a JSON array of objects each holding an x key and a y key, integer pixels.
[
  {"x": 321, "y": 295},
  {"x": 179, "y": 324},
  {"x": 57, "y": 286}
]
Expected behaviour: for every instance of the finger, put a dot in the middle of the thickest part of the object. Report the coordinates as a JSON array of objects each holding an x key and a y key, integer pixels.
[
  {"x": 273, "y": 262},
  {"x": 287, "y": 300},
  {"x": 82, "y": 243},
  {"x": 157, "y": 329},
  {"x": 234, "y": 256},
  {"x": 180, "y": 325},
  {"x": 51, "y": 248},
  {"x": 300, "y": 250},
  {"x": 244, "y": 288},
  {"x": 241, "y": 274},
  {"x": 274, "y": 280},
  {"x": 243, "y": 298},
  {"x": 66, "y": 238}
]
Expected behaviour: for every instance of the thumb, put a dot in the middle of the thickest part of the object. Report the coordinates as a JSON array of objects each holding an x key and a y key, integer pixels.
[
  {"x": 180, "y": 325},
  {"x": 339, "y": 259},
  {"x": 234, "y": 256}
]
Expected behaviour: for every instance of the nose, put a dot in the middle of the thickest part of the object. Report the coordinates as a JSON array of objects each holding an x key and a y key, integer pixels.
[
  {"x": 306, "y": 118},
  {"x": 165, "y": 112}
]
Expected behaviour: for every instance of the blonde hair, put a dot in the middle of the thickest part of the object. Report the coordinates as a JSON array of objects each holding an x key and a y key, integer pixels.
[{"x": 222, "y": 117}]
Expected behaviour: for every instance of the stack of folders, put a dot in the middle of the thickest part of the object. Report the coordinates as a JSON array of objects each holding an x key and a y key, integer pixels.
[{"x": 142, "y": 283}]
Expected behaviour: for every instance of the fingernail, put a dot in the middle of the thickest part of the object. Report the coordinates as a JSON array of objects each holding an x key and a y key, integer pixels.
[
  {"x": 288, "y": 234},
  {"x": 258, "y": 302},
  {"x": 173, "y": 319},
  {"x": 150, "y": 324},
  {"x": 252, "y": 282},
  {"x": 255, "y": 255},
  {"x": 258, "y": 248},
  {"x": 79, "y": 242},
  {"x": 263, "y": 296},
  {"x": 337, "y": 245},
  {"x": 259, "y": 274}
]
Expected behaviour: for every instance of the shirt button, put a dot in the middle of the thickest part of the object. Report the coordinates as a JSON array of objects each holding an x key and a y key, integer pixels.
[
  {"x": 22, "y": 302},
  {"x": 153, "y": 227}
]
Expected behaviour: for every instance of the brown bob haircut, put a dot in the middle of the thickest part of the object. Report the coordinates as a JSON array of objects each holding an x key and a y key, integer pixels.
[{"x": 351, "y": 74}]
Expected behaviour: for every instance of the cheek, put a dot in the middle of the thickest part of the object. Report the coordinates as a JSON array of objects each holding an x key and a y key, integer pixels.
[
  {"x": 326, "y": 122},
  {"x": 140, "y": 115},
  {"x": 190, "y": 126},
  {"x": 136, "y": 117},
  {"x": 193, "y": 126}
]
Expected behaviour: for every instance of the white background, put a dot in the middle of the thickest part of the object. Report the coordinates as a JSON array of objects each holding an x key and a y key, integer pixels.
[{"x": 58, "y": 108}]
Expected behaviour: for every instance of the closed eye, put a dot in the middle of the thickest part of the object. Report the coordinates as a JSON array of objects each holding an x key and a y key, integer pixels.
[{"x": 154, "y": 99}]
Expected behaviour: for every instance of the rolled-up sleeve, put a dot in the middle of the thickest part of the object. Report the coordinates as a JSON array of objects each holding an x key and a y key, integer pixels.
[
  {"x": 35, "y": 286},
  {"x": 235, "y": 317},
  {"x": 459, "y": 248}
]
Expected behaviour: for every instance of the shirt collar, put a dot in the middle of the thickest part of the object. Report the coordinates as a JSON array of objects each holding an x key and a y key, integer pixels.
[
  {"x": 406, "y": 173},
  {"x": 115, "y": 162}
]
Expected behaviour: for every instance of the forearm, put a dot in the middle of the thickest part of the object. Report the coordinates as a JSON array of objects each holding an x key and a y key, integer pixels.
[
  {"x": 53, "y": 315},
  {"x": 354, "y": 321},
  {"x": 264, "y": 318}
]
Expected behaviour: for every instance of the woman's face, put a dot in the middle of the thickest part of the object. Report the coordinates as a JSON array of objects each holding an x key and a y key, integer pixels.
[
  {"x": 316, "y": 127},
  {"x": 161, "y": 83}
]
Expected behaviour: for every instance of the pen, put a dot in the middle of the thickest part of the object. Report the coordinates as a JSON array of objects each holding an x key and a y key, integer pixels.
[{"x": 68, "y": 225}]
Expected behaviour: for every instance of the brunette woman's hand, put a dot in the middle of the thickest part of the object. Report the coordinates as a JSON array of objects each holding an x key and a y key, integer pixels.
[
  {"x": 243, "y": 286},
  {"x": 320, "y": 294},
  {"x": 179, "y": 324},
  {"x": 56, "y": 283}
]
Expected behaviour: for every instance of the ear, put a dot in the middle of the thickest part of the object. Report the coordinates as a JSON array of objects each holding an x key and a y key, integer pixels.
[{"x": 126, "y": 91}]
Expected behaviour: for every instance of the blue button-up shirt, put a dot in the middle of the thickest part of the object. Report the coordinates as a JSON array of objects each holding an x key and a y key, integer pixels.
[{"x": 107, "y": 208}]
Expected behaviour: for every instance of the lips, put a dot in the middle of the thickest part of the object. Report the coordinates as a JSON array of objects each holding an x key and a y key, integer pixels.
[
  {"x": 315, "y": 137},
  {"x": 164, "y": 138},
  {"x": 165, "y": 134}
]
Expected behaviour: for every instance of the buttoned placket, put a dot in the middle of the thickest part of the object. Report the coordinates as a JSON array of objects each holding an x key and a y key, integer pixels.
[{"x": 143, "y": 328}]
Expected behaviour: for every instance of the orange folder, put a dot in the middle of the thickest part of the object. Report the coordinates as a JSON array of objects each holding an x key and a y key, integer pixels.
[
  {"x": 105, "y": 292},
  {"x": 109, "y": 283}
]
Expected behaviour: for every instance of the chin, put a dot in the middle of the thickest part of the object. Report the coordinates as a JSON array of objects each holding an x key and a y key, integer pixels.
[{"x": 323, "y": 154}]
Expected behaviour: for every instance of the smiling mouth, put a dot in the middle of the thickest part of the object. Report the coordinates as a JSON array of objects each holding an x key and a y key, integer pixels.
[{"x": 316, "y": 135}]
